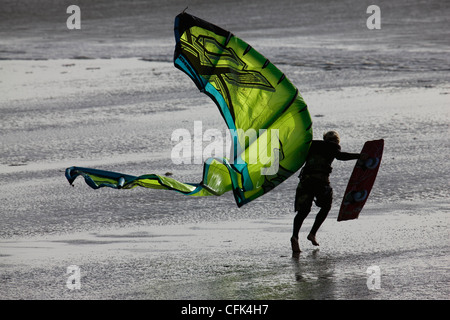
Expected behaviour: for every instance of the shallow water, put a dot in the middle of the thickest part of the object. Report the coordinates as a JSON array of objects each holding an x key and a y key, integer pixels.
[
  {"x": 117, "y": 111},
  {"x": 243, "y": 259}
]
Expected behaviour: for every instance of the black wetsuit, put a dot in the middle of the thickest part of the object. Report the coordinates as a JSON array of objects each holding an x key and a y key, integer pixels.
[{"x": 315, "y": 182}]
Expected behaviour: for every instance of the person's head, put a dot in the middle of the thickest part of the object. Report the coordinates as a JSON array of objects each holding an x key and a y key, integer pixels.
[{"x": 331, "y": 136}]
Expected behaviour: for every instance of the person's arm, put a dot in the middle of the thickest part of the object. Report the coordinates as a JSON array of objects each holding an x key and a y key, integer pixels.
[{"x": 344, "y": 156}]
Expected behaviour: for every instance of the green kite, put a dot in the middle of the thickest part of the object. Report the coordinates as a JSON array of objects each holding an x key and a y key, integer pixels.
[{"x": 251, "y": 95}]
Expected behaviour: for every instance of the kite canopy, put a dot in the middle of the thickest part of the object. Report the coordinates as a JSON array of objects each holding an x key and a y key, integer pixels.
[{"x": 253, "y": 96}]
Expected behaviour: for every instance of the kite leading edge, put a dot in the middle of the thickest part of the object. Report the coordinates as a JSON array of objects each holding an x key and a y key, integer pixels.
[{"x": 251, "y": 95}]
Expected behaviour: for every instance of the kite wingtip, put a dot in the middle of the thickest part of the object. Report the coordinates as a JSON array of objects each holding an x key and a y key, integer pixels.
[{"x": 70, "y": 178}]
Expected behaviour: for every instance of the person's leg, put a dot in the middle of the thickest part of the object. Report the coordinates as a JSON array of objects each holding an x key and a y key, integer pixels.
[
  {"x": 324, "y": 200},
  {"x": 303, "y": 203}
]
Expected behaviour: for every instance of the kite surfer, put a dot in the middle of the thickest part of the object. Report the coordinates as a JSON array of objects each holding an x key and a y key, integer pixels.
[{"x": 314, "y": 184}]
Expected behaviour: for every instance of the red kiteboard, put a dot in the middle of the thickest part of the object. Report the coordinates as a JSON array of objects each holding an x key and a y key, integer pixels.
[{"x": 361, "y": 181}]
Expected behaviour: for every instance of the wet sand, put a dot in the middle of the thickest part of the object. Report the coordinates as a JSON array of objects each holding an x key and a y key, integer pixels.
[
  {"x": 239, "y": 260},
  {"x": 149, "y": 244},
  {"x": 110, "y": 98}
]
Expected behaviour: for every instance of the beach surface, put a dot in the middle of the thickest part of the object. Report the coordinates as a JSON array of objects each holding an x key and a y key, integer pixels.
[{"x": 109, "y": 97}]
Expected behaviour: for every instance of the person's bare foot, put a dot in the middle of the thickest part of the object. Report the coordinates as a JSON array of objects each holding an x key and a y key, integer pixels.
[
  {"x": 312, "y": 238},
  {"x": 294, "y": 245}
]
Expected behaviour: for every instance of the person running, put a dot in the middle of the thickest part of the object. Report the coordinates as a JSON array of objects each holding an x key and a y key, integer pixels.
[{"x": 315, "y": 184}]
